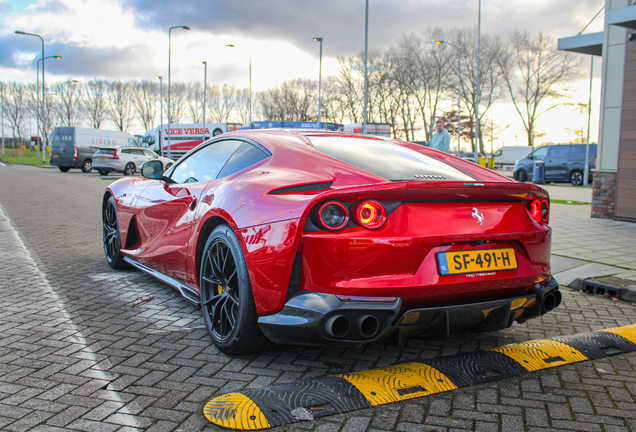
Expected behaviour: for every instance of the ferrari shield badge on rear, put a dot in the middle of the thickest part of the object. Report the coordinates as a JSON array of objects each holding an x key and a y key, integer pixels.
[{"x": 320, "y": 237}]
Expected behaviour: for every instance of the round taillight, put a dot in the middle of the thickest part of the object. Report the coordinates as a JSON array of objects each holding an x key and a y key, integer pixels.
[
  {"x": 545, "y": 210},
  {"x": 333, "y": 215},
  {"x": 370, "y": 214},
  {"x": 535, "y": 209}
]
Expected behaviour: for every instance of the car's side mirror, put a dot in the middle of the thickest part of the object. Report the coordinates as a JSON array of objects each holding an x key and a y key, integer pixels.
[
  {"x": 530, "y": 157},
  {"x": 152, "y": 169}
]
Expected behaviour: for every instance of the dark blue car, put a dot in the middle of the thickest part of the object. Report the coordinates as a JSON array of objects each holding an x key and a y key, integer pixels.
[{"x": 563, "y": 163}]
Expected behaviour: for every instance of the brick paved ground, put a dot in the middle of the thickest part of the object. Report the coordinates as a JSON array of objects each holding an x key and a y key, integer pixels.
[{"x": 85, "y": 348}]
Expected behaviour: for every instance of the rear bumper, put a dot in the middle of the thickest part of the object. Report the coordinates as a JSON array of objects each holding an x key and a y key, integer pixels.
[
  {"x": 317, "y": 318},
  {"x": 64, "y": 162},
  {"x": 107, "y": 166}
]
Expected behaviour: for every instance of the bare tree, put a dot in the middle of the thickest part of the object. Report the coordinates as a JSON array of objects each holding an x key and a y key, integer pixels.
[
  {"x": 292, "y": 101},
  {"x": 535, "y": 71},
  {"x": 491, "y": 77},
  {"x": 178, "y": 95},
  {"x": 68, "y": 103},
  {"x": 402, "y": 86},
  {"x": 145, "y": 99},
  {"x": 332, "y": 110},
  {"x": 120, "y": 106},
  {"x": 95, "y": 102},
  {"x": 242, "y": 105},
  {"x": 32, "y": 98},
  {"x": 194, "y": 102},
  {"x": 350, "y": 84},
  {"x": 221, "y": 102},
  {"x": 432, "y": 67},
  {"x": 213, "y": 98},
  {"x": 16, "y": 109}
]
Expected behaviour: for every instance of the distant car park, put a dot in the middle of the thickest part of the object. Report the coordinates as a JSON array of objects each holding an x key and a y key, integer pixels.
[{"x": 73, "y": 147}]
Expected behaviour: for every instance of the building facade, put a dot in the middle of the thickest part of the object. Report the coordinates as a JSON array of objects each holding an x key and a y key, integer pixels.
[{"x": 614, "y": 194}]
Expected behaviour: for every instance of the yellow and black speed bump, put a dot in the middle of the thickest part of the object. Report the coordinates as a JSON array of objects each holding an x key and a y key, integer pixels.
[{"x": 306, "y": 400}]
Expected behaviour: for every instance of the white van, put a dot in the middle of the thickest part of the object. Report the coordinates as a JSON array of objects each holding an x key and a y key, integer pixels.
[
  {"x": 73, "y": 147},
  {"x": 508, "y": 156}
]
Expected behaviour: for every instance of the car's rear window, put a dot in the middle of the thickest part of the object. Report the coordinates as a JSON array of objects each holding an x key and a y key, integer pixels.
[
  {"x": 106, "y": 151},
  {"x": 385, "y": 159}
]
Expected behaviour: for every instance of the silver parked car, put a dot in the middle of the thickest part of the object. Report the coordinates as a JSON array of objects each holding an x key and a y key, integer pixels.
[{"x": 126, "y": 160}]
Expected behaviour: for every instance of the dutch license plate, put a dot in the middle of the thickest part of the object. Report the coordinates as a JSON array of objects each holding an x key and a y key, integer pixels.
[
  {"x": 476, "y": 261},
  {"x": 56, "y": 156},
  {"x": 101, "y": 159}
]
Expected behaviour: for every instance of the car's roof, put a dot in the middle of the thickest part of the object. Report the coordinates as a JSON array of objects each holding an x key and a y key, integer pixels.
[{"x": 296, "y": 148}]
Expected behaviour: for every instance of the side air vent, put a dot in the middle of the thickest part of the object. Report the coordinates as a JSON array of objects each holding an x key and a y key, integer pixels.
[
  {"x": 429, "y": 177},
  {"x": 302, "y": 188}
]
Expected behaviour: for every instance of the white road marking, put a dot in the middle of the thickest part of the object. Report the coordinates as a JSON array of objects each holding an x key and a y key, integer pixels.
[{"x": 14, "y": 254}]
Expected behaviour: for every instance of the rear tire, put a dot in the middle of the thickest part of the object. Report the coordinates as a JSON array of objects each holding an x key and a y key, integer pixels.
[
  {"x": 130, "y": 169},
  {"x": 227, "y": 300},
  {"x": 111, "y": 236},
  {"x": 521, "y": 176},
  {"x": 576, "y": 178},
  {"x": 64, "y": 169},
  {"x": 87, "y": 166},
  {"x": 102, "y": 172}
]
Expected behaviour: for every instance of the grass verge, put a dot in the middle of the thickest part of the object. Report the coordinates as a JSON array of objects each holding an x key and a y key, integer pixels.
[
  {"x": 20, "y": 156},
  {"x": 570, "y": 202}
]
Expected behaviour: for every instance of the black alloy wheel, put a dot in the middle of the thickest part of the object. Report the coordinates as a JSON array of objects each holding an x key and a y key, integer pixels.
[
  {"x": 576, "y": 178},
  {"x": 130, "y": 169},
  {"x": 112, "y": 240},
  {"x": 87, "y": 166},
  {"x": 227, "y": 301}
]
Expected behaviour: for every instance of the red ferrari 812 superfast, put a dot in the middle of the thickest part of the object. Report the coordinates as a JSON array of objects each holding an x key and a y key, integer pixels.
[{"x": 315, "y": 237}]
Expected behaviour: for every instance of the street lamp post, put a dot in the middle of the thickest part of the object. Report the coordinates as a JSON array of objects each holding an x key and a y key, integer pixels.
[
  {"x": 319, "y": 39},
  {"x": 43, "y": 85},
  {"x": 160, "y": 78},
  {"x": 2, "y": 105},
  {"x": 366, "y": 75},
  {"x": 38, "y": 96},
  {"x": 459, "y": 94},
  {"x": 205, "y": 85},
  {"x": 586, "y": 173},
  {"x": 169, "y": 54},
  {"x": 477, "y": 125},
  {"x": 250, "y": 73}
]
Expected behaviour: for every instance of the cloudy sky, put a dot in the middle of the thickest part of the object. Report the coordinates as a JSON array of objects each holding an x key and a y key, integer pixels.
[{"x": 128, "y": 39}]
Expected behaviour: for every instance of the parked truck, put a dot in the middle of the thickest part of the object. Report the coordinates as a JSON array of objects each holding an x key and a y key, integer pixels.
[{"x": 183, "y": 137}]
